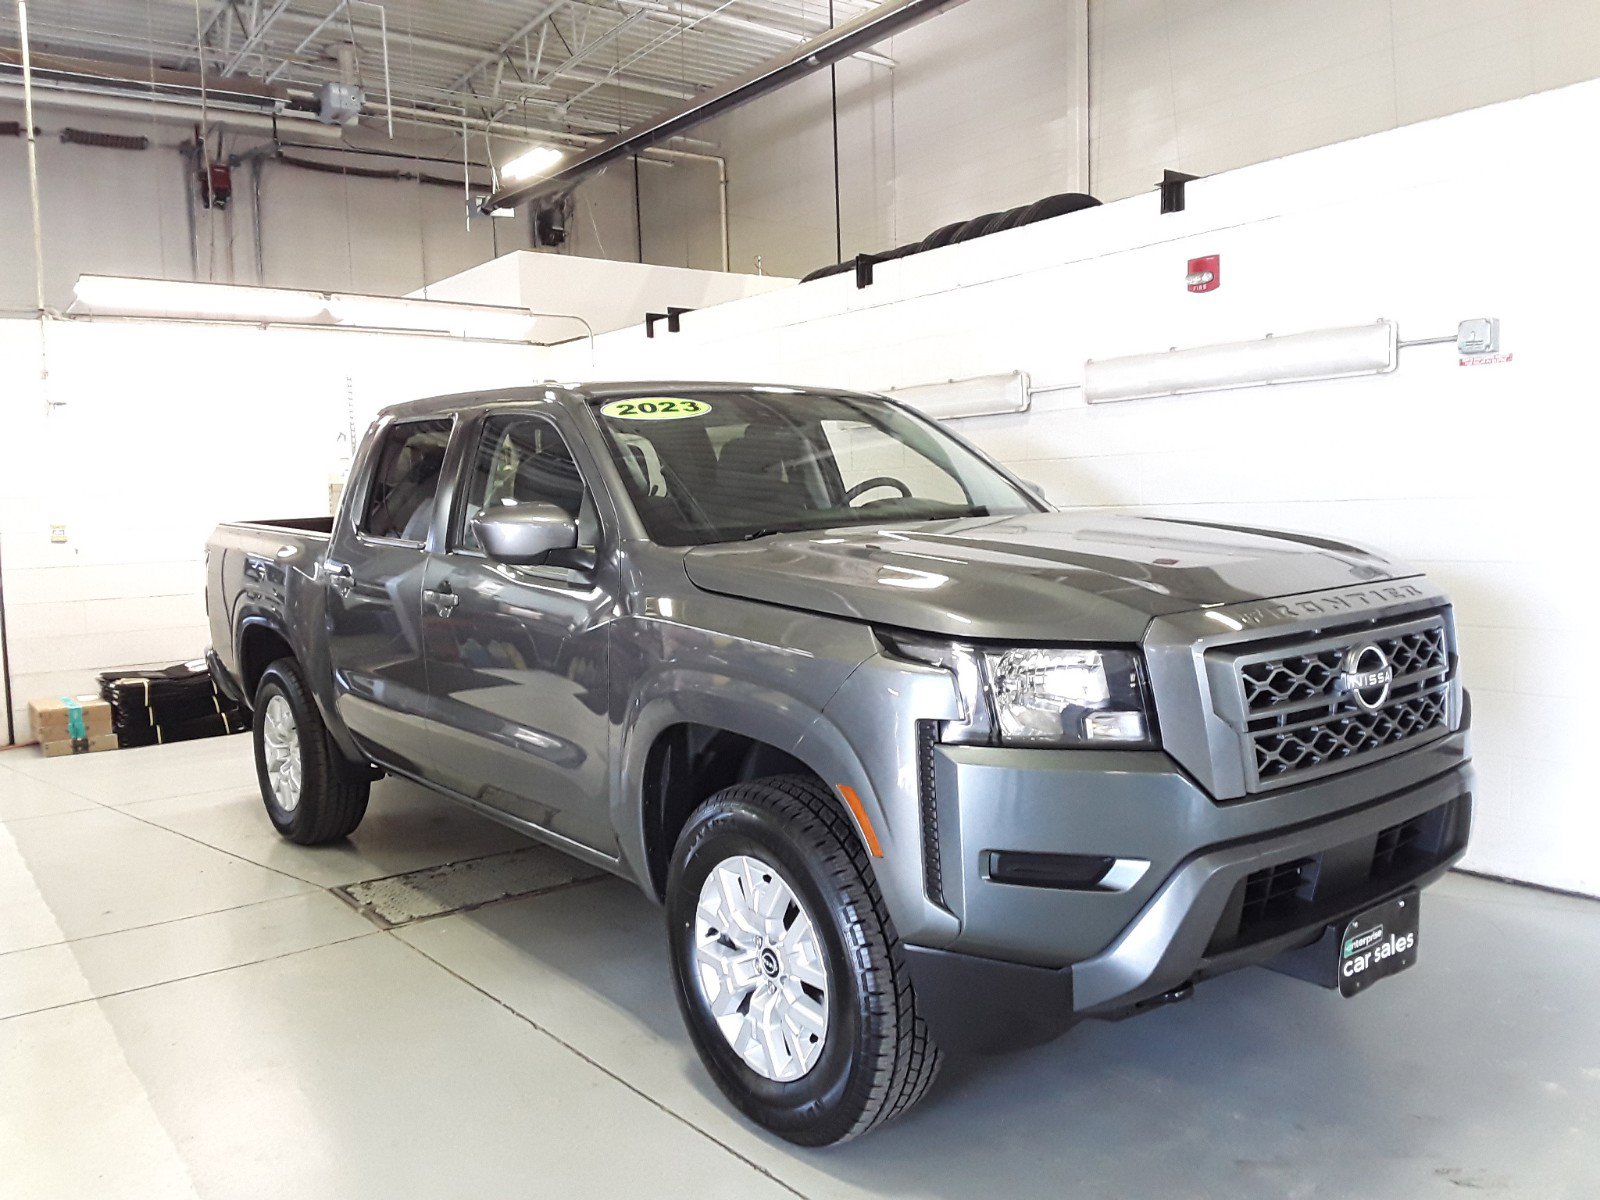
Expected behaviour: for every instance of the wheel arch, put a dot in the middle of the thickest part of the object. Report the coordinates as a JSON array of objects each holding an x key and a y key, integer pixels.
[
  {"x": 261, "y": 643},
  {"x": 686, "y": 748}
]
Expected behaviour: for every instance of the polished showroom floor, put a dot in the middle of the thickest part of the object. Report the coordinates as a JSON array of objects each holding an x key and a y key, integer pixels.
[{"x": 191, "y": 1007}]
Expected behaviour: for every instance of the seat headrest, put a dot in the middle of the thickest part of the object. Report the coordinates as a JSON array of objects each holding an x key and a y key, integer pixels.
[{"x": 761, "y": 451}]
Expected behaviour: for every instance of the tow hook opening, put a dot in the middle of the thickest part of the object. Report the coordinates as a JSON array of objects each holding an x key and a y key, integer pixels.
[{"x": 1176, "y": 996}]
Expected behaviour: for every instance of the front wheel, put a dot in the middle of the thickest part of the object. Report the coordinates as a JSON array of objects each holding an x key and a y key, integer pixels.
[
  {"x": 789, "y": 972},
  {"x": 312, "y": 793}
]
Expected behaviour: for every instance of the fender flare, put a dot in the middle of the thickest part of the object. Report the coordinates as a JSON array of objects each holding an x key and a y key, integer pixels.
[{"x": 749, "y": 710}]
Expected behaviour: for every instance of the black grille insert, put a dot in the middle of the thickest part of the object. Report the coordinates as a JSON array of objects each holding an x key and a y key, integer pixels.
[
  {"x": 1299, "y": 717},
  {"x": 1276, "y": 891},
  {"x": 928, "y": 802}
]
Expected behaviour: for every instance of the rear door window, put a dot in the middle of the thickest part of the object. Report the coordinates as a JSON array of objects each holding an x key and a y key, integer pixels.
[{"x": 405, "y": 479}]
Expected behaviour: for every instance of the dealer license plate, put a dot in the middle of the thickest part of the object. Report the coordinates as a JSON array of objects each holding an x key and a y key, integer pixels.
[{"x": 1378, "y": 943}]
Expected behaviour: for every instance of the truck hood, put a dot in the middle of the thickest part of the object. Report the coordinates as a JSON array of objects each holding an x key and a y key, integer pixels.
[{"x": 1047, "y": 576}]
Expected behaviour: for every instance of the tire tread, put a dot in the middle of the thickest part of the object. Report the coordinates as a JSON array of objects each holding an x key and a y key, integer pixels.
[
  {"x": 908, "y": 1059},
  {"x": 334, "y": 792}
]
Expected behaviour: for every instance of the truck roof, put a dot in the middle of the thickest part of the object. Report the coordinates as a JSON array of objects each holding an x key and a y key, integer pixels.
[{"x": 589, "y": 393}]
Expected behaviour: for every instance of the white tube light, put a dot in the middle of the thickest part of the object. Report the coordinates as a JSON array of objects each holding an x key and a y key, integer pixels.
[
  {"x": 111, "y": 295},
  {"x": 531, "y": 164},
  {"x": 1291, "y": 358},
  {"x": 433, "y": 316},
  {"x": 980, "y": 396},
  {"x": 127, "y": 296}
]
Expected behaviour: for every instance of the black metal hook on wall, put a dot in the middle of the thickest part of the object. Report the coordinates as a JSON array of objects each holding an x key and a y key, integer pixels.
[{"x": 671, "y": 317}]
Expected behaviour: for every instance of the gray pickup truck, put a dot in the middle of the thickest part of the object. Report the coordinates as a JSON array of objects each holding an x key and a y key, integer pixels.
[{"x": 914, "y": 762}]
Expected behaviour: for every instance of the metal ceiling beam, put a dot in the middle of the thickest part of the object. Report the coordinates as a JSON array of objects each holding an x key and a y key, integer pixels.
[
  {"x": 211, "y": 23},
  {"x": 590, "y": 46},
  {"x": 544, "y": 14},
  {"x": 865, "y": 30},
  {"x": 333, "y": 14},
  {"x": 256, "y": 34},
  {"x": 663, "y": 11},
  {"x": 649, "y": 84}
]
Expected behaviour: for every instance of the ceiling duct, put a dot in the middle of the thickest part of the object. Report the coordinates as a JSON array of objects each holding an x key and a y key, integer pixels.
[{"x": 840, "y": 42}]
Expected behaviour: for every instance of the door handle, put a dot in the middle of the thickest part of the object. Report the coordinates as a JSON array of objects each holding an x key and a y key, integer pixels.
[
  {"x": 340, "y": 577},
  {"x": 443, "y": 599}
]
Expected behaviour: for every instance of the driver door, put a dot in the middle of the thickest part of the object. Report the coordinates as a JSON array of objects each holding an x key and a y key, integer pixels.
[{"x": 518, "y": 656}]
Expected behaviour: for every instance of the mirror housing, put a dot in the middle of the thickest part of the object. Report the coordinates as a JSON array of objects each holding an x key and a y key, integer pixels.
[{"x": 525, "y": 535}]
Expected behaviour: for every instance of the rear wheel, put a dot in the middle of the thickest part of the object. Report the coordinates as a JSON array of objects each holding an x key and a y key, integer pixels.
[
  {"x": 788, "y": 970},
  {"x": 311, "y": 792}
]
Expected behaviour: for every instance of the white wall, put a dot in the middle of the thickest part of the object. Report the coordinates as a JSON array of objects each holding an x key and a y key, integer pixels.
[
  {"x": 1208, "y": 85},
  {"x": 981, "y": 113},
  {"x": 1479, "y": 475},
  {"x": 983, "y": 110},
  {"x": 608, "y": 295},
  {"x": 163, "y": 430}
]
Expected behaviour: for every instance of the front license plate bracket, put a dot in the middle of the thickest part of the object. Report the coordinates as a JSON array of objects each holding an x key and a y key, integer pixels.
[{"x": 1378, "y": 943}]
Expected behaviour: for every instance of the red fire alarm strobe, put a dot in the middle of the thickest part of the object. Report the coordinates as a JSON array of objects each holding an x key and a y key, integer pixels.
[{"x": 1205, "y": 274}]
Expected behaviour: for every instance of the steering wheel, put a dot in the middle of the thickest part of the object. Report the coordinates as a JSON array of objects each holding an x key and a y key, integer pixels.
[{"x": 866, "y": 485}]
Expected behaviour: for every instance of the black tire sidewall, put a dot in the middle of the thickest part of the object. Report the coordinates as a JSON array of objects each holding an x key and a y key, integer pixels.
[
  {"x": 809, "y": 1105},
  {"x": 280, "y": 680}
]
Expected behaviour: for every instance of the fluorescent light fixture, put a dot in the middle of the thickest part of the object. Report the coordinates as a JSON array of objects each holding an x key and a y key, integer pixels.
[
  {"x": 531, "y": 164},
  {"x": 127, "y": 296},
  {"x": 110, "y": 295},
  {"x": 433, "y": 316},
  {"x": 1291, "y": 358},
  {"x": 980, "y": 396}
]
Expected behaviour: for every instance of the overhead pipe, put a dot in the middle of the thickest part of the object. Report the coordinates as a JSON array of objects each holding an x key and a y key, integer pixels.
[
  {"x": 33, "y": 171},
  {"x": 823, "y": 50},
  {"x": 128, "y": 103}
]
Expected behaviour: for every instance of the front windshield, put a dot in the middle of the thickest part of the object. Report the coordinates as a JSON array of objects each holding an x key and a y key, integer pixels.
[{"x": 720, "y": 466}]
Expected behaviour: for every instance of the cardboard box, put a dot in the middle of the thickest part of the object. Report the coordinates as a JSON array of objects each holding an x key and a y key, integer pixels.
[
  {"x": 72, "y": 725},
  {"x": 99, "y": 741}
]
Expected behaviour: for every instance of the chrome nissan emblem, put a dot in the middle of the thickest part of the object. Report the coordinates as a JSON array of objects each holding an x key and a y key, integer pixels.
[{"x": 1367, "y": 675}]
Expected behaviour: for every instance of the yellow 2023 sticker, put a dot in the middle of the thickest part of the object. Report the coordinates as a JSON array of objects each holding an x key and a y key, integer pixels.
[{"x": 655, "y": 408}]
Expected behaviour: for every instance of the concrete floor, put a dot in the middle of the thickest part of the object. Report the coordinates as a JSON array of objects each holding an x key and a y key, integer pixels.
[{"x": 187, "y": 1009}]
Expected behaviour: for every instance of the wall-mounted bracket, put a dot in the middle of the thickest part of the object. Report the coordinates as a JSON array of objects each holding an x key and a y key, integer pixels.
[
  {"x": 671, "y": 317},
  {"x": 1172, "y": 183}
]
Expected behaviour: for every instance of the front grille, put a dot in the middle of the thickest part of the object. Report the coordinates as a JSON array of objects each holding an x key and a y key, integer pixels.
[{"x": 1299, "y": 720}]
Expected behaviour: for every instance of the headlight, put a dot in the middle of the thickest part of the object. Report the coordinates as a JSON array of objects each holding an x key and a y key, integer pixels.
[
  {"x": 1041, "y": 696},
  {"x": 1067, "y": 697}
]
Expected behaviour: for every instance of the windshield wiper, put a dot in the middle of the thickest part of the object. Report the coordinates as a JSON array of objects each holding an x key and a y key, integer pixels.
[{"x": 768, "y": 531}]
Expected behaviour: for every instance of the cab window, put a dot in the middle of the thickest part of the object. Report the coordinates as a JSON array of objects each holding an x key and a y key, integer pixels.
[
  {"x": 521, "y": 459},
  {"x": 405, "y": 479}
]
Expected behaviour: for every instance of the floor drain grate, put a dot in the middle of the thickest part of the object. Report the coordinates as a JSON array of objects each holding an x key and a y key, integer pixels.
[{"x": 455, "y": 887}]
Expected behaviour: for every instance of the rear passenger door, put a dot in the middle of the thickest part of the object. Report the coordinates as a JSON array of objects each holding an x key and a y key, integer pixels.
[
  {"x": 518, "y": 656},
  {"x": 374, "y": 572}
]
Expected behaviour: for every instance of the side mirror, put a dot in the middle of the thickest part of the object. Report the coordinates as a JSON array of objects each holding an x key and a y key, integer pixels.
[
  {"x": 1036, "y": 490},
  {"x": 525, "y": 535}
]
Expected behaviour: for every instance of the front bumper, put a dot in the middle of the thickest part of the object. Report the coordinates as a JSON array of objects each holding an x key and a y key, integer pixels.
[{"x": 1030, "y": 961}]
